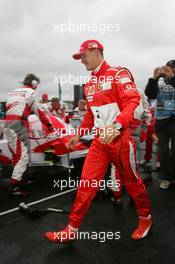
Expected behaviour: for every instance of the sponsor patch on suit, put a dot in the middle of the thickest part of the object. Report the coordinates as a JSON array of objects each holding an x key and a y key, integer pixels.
[
  {"x": 89, "y": 98},
  {"x": 106, "y": 86}
]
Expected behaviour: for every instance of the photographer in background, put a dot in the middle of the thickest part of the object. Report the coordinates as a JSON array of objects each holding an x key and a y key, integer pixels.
[{"x": 162, "y": 88}]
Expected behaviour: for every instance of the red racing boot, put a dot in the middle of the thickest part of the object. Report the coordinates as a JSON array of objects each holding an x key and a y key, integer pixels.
[
  {"x": 145, "y": 224},
  {"x": 65, "y": 236}
]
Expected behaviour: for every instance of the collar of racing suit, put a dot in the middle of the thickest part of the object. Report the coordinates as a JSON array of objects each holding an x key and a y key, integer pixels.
[
  {"x": 101, "y": 71},
  {"x": 27, "y": 86},
  {"x": 98, "y": 68}
]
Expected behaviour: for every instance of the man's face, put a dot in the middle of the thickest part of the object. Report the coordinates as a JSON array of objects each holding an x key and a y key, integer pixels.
[
  {"x": 45, "y": 100},
  {"x": 55, "y": 105},
  {"x": 90, "y": 59},
  {"x": 81, "y": 106}
]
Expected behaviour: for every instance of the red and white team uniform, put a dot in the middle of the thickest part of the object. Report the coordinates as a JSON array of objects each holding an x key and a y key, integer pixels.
[
  {"x": 110, "y": 102},
  {"x": 20, "y": 103},
  {"x": 57, "y": 112},
  {"x": 111, "y": 96}
]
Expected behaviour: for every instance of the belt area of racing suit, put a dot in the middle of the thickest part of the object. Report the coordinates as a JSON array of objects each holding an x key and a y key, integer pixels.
[{"x": 16, "y": 117}]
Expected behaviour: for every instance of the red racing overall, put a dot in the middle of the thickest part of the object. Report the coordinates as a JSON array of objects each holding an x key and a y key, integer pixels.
[{"x": 111, "y": 96}]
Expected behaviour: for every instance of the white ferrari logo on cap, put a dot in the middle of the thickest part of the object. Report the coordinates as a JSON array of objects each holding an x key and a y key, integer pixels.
[{"x": 92, "y": 45}]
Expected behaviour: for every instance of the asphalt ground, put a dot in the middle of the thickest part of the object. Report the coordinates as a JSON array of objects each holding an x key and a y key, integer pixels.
[{"x": 22, "y": 240}]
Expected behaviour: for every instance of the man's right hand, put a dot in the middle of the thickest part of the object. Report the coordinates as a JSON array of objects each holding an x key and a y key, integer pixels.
[
  {"x": 73, "y": 141},
  {"x": 163, "y": 71},
  {"x": 157, "y": 72}
]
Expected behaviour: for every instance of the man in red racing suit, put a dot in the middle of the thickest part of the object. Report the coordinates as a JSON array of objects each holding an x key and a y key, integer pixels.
[
  {"x": 20, "y": 103},
  {"x": 112, "y": 100}
]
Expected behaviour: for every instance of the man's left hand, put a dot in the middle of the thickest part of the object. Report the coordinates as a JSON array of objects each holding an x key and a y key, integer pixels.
[{"x": 108, "y": 134}]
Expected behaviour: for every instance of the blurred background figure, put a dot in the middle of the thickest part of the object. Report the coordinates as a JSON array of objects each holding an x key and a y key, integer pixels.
[
  {"x": 139, "y": 128},
  {"x": 55, "y": 108},
  {"x": 79, "y": 113},
  {"x": 44, "y": 102},
  {"x": 81, "y": 108},
  {"x": 20, "y": 103},
  {"x": 150, "y": 139},
  {"x": 64, "y": 107},
  {"x": 162, "y": 88}
]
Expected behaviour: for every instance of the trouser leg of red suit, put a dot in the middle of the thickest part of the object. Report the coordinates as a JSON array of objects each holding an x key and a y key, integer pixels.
[
  {"x": 130, "y": 176},
  {"x": 94, "y": 169},
  {"x": 116, "y": 182},
  {"x": 16, "y": 134},
  {"x": 122, "y": 153},
  {"x": 149, "y": 145}
]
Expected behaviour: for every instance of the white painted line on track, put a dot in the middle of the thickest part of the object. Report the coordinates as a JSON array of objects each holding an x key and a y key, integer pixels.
[{"x": 38, "y": 201}]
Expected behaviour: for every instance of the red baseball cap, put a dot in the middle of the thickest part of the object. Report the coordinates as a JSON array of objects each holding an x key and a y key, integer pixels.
[
  {"x": 44, "y": 96},
  {"x": 87, "y": 45}
]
